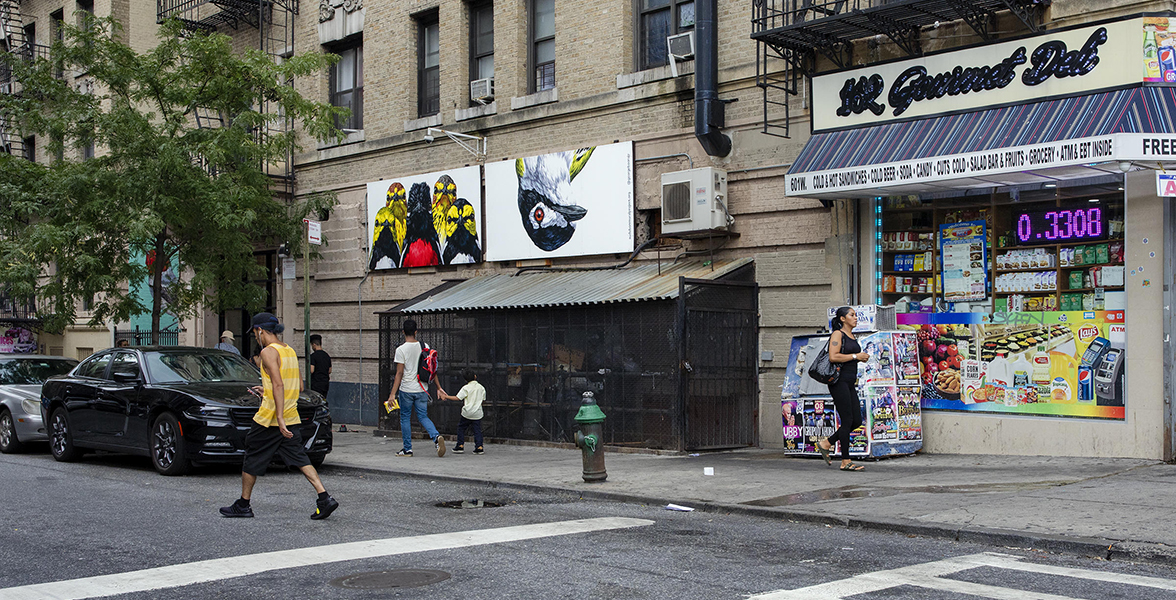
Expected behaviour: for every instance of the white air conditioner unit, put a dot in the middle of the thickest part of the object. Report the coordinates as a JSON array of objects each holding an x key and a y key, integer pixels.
[
  {"x": 679, "y": 47},
  {"x": 694, "y": 200},
  {"x": 482, "y": 90}
]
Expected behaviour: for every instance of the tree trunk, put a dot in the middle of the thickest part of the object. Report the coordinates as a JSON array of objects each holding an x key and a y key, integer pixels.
[{"x": 157, "y": 268}]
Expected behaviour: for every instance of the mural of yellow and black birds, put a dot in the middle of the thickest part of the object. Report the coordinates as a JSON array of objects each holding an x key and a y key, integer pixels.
[
  {"x": 545, "y": 184},
  {"x": 444, "y": 195},
  {"x": 421, "y": 248},
  {"x": 461, "y": 231},
  {"x": 390, "y": 228}
]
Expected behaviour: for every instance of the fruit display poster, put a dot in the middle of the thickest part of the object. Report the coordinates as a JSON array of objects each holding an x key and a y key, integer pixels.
[
  {"x": 964, "y": 254},
  {"x": 1069, "y": 364}
]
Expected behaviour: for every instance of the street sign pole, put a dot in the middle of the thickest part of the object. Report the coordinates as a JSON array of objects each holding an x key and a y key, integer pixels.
[{"x": 306, "y": 299}]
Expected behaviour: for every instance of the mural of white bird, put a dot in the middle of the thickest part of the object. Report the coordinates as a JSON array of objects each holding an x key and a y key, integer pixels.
[{"x": 546, "y": 204}]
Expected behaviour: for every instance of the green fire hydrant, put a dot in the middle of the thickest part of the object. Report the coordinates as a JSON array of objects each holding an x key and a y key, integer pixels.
[{"x": 589, "y": 438}]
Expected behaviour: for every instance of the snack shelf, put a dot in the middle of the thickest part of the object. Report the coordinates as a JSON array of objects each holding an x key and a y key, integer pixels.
[{"x": 1027, "y": 270}]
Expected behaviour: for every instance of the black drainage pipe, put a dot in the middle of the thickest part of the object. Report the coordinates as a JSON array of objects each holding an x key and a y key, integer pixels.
[{"x": 708, "y": 109}]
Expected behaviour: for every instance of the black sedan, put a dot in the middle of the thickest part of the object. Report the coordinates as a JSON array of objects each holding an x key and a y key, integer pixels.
[{"x": 179, "y": 405}]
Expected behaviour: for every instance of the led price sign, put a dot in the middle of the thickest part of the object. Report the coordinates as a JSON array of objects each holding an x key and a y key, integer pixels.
[{"x": 1061, "y": 225}]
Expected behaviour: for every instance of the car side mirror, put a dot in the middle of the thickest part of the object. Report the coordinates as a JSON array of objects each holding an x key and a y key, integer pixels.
[{"x": 125, "y": 376}]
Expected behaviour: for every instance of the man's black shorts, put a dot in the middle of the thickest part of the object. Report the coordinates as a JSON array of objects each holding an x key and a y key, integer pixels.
[{"x": 262, "y": 443}]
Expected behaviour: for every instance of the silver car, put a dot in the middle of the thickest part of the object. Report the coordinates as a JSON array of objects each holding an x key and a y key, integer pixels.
[{"x": 21, "y": 376}]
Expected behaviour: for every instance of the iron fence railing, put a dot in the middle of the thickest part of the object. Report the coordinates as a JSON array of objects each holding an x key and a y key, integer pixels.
[{"x": 143, "y": 337}]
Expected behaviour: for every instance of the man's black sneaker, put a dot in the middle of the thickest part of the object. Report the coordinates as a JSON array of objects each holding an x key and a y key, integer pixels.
[
  {"x": 479, "y": 450},
  {"x": 458, "y": 450},
  {"x": 439, "y": 442},
  {"x": 323, "y": 509},
  {"x": 404, "y": 453},
  {"x": 235, "y": 510}
]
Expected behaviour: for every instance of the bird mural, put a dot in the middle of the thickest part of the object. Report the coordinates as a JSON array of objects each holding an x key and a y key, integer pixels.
[
  {"x": 421, "y": 248},
  {"x": 461, "y": 231},
  {"x": 390, "y": 228},
  {"x": 545, "y": 184},
  {"x": 444, "y": 194}
]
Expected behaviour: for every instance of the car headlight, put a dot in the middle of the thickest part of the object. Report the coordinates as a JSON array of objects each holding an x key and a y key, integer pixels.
[
  {"x": 208, "y": 412},
  {"x": 321, "y": 411},
  {"x": 33, "y": 407}
]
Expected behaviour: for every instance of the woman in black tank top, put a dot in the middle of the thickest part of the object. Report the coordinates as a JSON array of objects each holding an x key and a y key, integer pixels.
[{"x": 844, "y": 350}]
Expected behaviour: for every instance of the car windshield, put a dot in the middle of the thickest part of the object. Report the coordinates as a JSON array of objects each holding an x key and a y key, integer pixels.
[
  {"x": 32, "y": 371},
  {"x": 182, "y": 367}
]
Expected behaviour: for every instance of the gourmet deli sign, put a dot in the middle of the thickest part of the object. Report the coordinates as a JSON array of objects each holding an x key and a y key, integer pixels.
[{"x": 1053, "y": 64}]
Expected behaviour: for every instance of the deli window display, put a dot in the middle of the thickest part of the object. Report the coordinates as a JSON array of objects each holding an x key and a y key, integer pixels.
[{"x": 1017, "y": 298}]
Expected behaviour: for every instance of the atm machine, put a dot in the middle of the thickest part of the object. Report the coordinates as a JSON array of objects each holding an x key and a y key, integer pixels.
[{"x": 1108, "y": 377}]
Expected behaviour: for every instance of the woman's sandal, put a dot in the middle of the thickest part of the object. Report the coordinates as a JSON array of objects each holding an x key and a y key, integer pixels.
[
  {"x": 825, "y": 452},
  {"x": 852, "y": 467}
]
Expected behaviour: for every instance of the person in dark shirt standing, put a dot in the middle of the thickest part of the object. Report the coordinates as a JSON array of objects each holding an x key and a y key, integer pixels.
[{"x": 320, "y": 366}]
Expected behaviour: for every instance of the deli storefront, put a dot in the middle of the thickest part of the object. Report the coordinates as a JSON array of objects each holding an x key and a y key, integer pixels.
[{"x": 1010, "y": 211}]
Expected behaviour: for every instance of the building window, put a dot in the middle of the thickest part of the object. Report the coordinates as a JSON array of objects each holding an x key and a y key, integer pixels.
[
  {"x": 659, "y": 19},
  {"x": 481, "y": 41},
  {"x": 347, "y": 84},
  {"x": 30, "y": 148},
  {"x": 86, "y": 8},
  {"x": 543, "y": 44},
  {"x": 57, "y": 31},
  {"x": 428, "y": 67}
]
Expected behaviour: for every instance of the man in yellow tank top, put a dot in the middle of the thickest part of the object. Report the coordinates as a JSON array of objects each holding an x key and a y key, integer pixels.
[{"x": 269, "y": 435}]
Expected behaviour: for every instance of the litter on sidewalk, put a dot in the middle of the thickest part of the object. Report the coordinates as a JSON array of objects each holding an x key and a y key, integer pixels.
[{"x": 679, "y": 508}]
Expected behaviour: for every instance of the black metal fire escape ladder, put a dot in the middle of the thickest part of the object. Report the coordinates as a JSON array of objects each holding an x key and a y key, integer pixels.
[
  {"x": 12, "y": 41},
  {"x": 274, "y": 21},
  {"x": 792, "y": 35}
]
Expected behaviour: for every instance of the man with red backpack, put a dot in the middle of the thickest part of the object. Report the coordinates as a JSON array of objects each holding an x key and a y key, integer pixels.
[{"x": 416, "y": 365}]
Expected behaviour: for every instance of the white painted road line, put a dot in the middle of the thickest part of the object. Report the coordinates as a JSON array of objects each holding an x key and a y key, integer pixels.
[
  {"x": 929, "y": 576},
  {"x": 239, "y": 566},
  {"x": 1005, "y": 561}
]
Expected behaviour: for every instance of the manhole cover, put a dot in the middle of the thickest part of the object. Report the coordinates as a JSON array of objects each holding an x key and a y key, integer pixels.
[
  {"x": 396, "y": 578},
  {"x": 468, "y": 504}
]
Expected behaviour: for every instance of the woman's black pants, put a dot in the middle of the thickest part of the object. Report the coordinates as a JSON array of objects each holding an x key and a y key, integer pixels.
[{"x": 849, "y": 411}]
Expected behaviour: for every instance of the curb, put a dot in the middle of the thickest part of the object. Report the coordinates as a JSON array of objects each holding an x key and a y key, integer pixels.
[{"x": 1145, "y": 552}]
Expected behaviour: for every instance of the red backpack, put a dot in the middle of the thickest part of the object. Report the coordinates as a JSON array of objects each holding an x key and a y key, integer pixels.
[{"x": 426, "y": 366}]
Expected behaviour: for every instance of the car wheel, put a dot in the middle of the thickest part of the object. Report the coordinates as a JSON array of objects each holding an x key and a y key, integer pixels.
[
  {"x": 61, "y": 442},
  {"x": 168, "y": 452},
  {"x": 317, "y": 460},
  {"x": 8, "y": 441}
]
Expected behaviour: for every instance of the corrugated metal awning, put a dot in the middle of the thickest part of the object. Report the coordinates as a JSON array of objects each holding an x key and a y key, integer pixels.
[{"x": 535, "y": 289}]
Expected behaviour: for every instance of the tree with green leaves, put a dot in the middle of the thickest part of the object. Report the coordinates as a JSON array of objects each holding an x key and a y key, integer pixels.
[{"x": 194, "y": 198}]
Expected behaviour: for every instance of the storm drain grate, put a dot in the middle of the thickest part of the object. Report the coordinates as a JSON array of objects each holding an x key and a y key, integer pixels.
[
  {"x": 396, "y": 578},
  {"x": 468, "y": 504}
]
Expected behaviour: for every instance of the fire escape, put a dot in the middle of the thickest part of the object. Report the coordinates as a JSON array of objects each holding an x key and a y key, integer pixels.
[
  {"x": 791, "y": 35},
  {"x": 14, "y": 42},
  {"x": 274, "y": 22}
]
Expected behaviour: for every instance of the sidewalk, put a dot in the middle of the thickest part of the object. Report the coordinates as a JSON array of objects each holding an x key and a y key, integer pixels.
[{"x": 1110, "y": 508}]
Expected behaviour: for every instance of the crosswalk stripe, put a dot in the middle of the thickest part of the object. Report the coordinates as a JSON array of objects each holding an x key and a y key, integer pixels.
[
  {"x": 930, "y": 576},
  {"x": 1004, "y": 561},
  {"x": 239, "y": 566}
]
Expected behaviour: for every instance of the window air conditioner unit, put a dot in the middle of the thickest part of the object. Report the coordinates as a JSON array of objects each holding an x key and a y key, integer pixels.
[
  {"x": 679, "y": 47},
  {"x": 694, "y": 201},
  {"x": 482, "y": 90}
]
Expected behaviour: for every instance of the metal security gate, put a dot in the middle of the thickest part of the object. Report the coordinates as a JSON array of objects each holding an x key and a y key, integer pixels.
[{"x": 718, "y": 381}]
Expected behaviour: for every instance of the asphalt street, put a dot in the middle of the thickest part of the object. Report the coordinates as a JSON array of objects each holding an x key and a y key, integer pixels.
[{"x": 110, "y": 515}]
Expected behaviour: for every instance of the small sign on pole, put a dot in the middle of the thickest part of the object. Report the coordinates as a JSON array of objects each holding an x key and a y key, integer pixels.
[
  {"x": 1165, "y": 185},
  {"x": 314, "y": 231}
]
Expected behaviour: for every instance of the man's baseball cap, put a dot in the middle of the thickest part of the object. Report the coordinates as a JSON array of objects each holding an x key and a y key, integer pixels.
[{"x": 266, "y": 321}]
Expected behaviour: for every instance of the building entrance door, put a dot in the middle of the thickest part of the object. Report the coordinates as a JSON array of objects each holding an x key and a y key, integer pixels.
[{"x": 718, "y": 370}]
